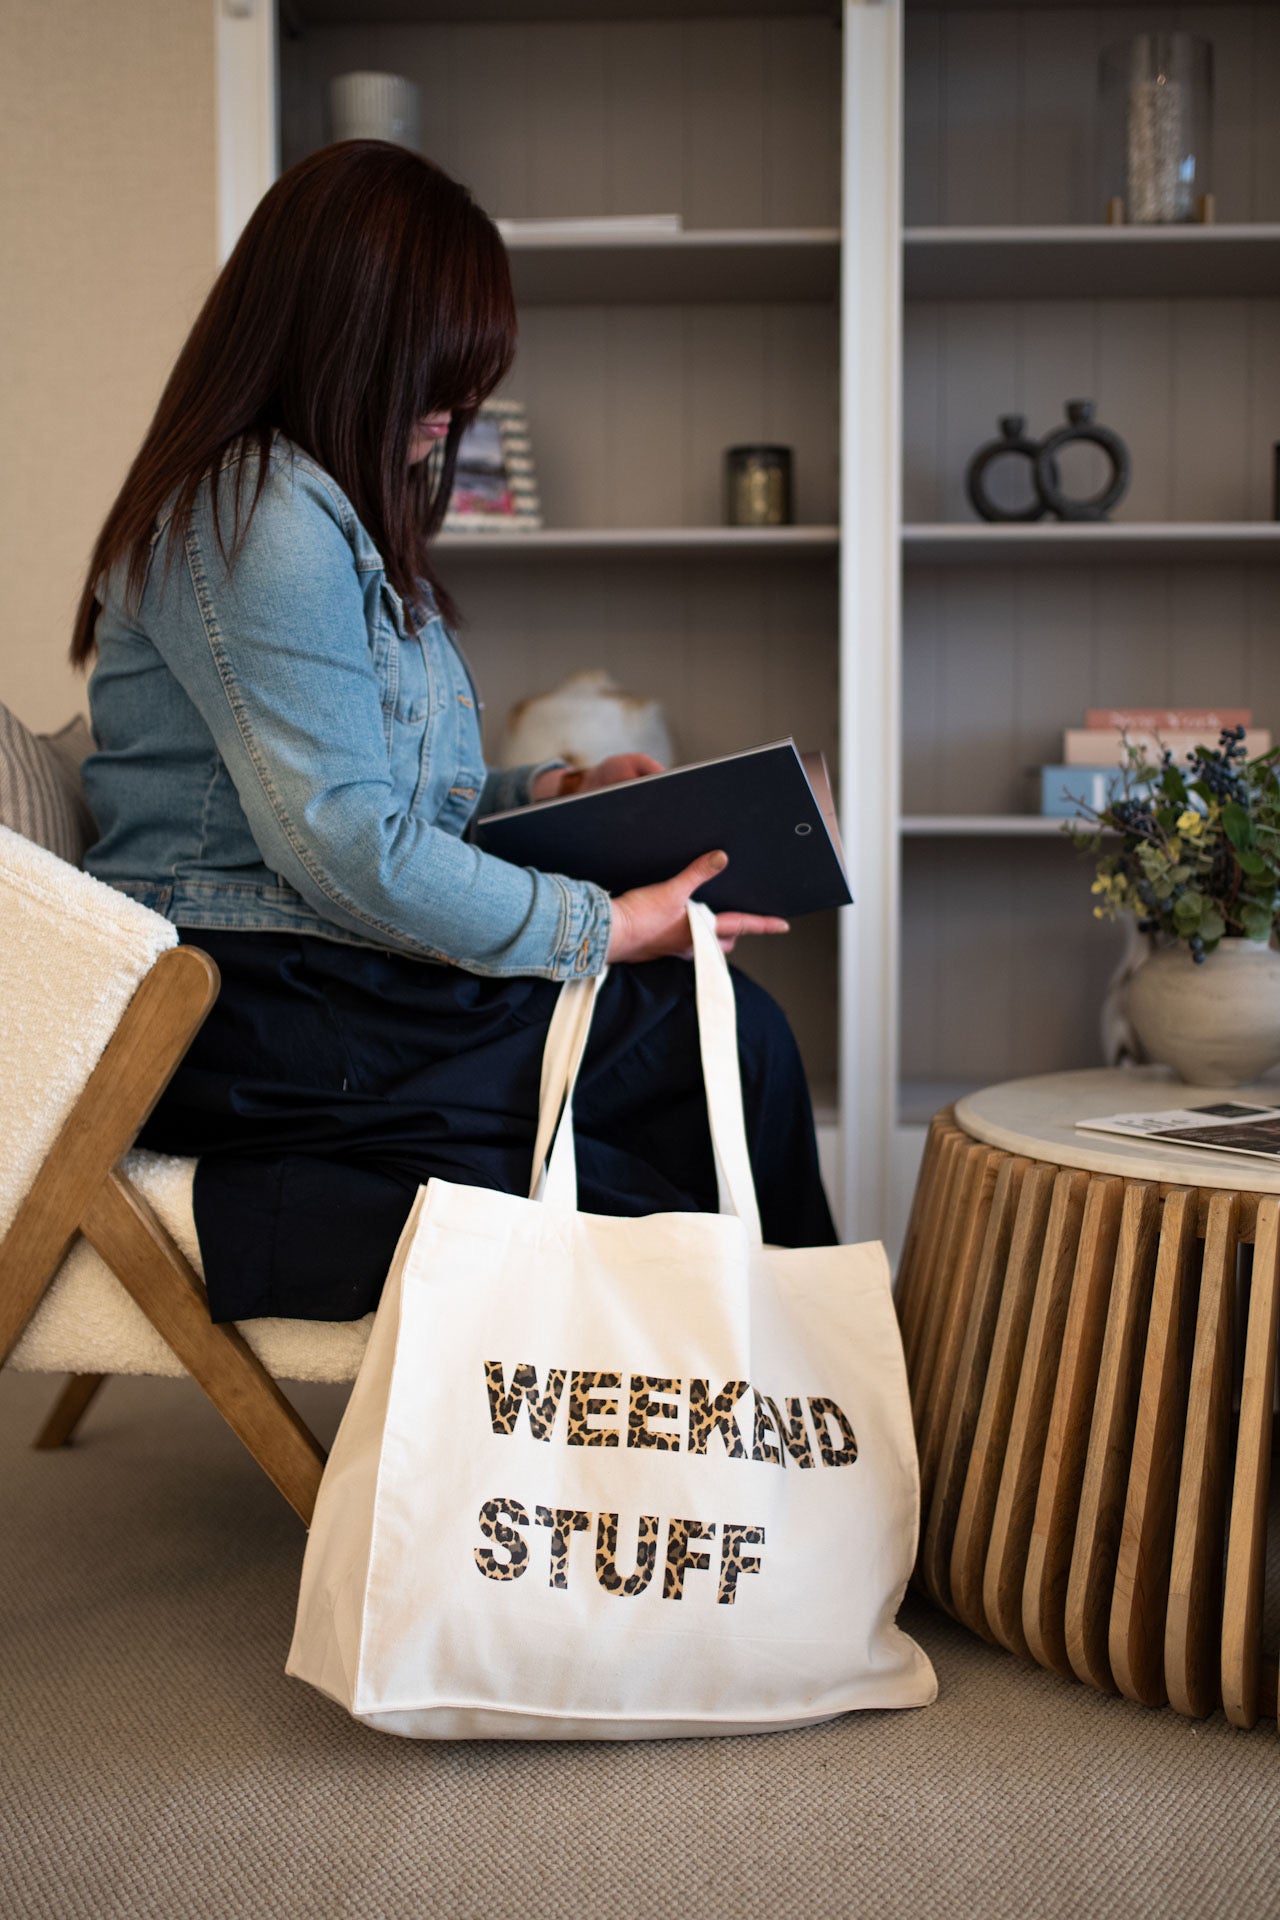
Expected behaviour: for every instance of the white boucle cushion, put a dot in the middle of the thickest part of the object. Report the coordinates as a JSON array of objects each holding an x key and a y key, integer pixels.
[
  {"x": 72, "y": 954},
  {"x": 87, "y": 1323}
]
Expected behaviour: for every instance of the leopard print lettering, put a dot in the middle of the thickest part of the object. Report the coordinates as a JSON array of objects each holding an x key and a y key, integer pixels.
[
  {"x": 764, "y": 1436},
  {"x": 793, "y": 1432},
  {"x": 492, "y": 1527},
  {"x": 733, "y": 1561},
  {"x": 504, "y": 1407},
  {"x": 679, "y": 1558},
  {"x": 646, "y": 1405},
  {"x": 607, "y": 1554},
  {"x": 564, "y": 1522},
  {"x": 705, "y": 1415},
  {"x": 585, "y": 1390},
  {"x": 822, "y": 1410}
]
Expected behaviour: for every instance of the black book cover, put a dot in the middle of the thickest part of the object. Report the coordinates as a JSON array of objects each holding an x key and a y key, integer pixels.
[{"x": 759, "y": 806}]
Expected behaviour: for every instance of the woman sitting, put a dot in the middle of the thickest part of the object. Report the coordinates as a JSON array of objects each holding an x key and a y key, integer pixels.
[{"x": 289, "y": 760}]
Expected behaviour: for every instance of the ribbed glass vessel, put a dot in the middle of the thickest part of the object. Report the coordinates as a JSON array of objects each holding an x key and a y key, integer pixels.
[{"x": 1157, "y": 126}]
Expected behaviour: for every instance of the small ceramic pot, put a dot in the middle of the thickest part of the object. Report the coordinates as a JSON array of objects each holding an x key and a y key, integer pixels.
[{"x": 1217, "y": 1024}]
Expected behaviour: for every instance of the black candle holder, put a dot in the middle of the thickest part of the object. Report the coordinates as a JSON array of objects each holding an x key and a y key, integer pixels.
[
  {"x": 1049, "y": 495},
  {"x": 1081, "y": 426}
]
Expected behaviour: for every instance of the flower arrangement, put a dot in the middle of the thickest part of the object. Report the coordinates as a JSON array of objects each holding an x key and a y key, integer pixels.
[{"x": 1199, "y": 846}]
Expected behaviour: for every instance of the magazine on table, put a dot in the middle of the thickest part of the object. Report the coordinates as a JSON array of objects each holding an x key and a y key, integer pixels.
[{"x": 1223, "y": 1126}]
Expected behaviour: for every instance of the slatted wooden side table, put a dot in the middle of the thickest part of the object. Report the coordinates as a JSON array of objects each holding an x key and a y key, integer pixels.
[{"x": 1090, "y": 1329}]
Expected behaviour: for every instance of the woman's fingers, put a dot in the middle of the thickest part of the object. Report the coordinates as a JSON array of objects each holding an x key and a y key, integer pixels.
[
  {"x": 650, "y": 922},
  {"x": 620, "y": 767},
  {"x": 697, "y": 873},
  {"x": 731, "y": 926}
]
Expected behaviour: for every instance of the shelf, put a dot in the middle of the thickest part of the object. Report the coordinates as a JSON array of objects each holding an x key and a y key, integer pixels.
[
  {"x": 974, "y": 826},
  {"x": 1022, "y": 6},
  {"x": 770, "y": 264},
  {"x": 1084, "y": 542},
  {"x": 297, "y": 15},
  {"x": 621, "y": 543},
  {"x": 1037, "y": 263}
]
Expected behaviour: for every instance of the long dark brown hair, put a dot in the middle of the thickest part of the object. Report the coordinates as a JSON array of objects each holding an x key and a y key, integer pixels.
[{"x": 367, "y": 291}]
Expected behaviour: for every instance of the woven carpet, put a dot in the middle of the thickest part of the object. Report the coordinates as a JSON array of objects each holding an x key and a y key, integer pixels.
[{"x": 154, "y": 1760}]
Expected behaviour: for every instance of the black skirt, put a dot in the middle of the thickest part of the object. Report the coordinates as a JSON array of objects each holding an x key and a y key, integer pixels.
[{"x": 330, "y": 1081}]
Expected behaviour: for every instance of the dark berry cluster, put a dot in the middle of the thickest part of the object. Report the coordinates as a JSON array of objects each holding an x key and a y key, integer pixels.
[
  {"x": 1133, "y": 816},
  {"x": 1223, "y": 771}
]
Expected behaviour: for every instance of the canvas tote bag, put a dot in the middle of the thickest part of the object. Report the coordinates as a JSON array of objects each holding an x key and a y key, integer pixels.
[{"x": 616, "y": 1478}]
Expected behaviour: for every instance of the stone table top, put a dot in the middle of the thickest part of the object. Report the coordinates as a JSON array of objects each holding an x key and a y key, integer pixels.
[{"x": 1037, "y": 1117}]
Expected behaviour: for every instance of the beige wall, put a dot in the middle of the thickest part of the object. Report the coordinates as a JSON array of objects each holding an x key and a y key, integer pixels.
[{"x": 107, "y": 247}]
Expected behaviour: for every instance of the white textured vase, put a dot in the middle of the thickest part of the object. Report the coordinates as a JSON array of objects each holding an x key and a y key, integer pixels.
[
  {"x": 1217, "y": 1024},
  {"x": 374, "y": 106}
]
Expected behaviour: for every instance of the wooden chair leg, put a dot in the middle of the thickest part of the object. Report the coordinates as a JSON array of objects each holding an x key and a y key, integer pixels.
[
  {"x": 80, "y": 1189},
  {"x": 139, "y": 1061},
  {"x": 68, "y": 1410},
  {"x": 134, "y": 1244}
]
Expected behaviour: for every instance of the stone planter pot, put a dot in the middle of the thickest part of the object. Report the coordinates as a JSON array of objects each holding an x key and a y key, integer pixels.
[{"x": 1218, "y": 1024}]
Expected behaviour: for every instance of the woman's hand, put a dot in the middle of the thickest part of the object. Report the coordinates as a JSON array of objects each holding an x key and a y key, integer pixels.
[
  {"x": 649, "y": 922},
  {"x": 606, "y": 773},
  {"x": 617, "y": 768}
]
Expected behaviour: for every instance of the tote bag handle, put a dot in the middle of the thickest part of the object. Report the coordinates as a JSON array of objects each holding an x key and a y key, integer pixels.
[
  {"x": 562, "y": 1054},
  {"x": 721, "y": 1075}
]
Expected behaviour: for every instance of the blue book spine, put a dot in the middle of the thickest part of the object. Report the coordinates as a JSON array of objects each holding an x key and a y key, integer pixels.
[{"x": 1096, "y": 786}]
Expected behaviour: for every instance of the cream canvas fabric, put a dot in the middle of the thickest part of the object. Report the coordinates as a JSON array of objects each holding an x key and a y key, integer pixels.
[{"x": 608, "y": 1478}]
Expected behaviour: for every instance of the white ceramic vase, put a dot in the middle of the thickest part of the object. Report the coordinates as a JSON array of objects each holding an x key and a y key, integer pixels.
[
  {"x": 374, "y": 106},
  {"x": 1217, "y": 1024}
]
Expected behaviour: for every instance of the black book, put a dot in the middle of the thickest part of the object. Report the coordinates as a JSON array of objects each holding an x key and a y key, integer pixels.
[{"x": 770, "y": 809}]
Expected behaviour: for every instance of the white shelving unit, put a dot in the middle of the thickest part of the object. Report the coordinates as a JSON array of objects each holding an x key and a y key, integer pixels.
[
  {"x": 985, "y": 826},
  {"x": 1016, "y": 300},
  {"x": 1088, "y": 543},
  {"x": 773, "y": 128},
  {"x": 623, "y": 542},
  {"x": 772, "y": 264},
  {"x": 1105, "y": 263},
  {"x": 890, "y": 239}
]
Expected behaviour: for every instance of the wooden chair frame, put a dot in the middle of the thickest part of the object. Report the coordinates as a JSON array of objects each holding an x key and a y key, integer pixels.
[{"x": 80, "y": 1189}]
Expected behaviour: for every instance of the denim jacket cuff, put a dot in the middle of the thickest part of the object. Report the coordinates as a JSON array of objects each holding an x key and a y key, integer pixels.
[
  {"x": 507, "y": 787},
  {"x": 588, "y": 925}
]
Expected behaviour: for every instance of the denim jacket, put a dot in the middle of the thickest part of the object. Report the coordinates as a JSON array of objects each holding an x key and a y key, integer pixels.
[{"x": 281, "y": 746}]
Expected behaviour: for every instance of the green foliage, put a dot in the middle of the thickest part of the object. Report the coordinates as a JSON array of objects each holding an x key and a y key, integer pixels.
[{"x": 1193, "y": 851}]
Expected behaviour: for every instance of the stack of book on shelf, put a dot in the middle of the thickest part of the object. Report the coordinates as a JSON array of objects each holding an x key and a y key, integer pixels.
[{"x": 1093, "y": 756}]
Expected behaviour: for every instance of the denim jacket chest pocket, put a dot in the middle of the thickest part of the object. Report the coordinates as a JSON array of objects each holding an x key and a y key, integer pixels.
[
  {"x": 403, "y": 680},
  {"x": 430, "y": 714},
  {"x": 459, "y": 769}
]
